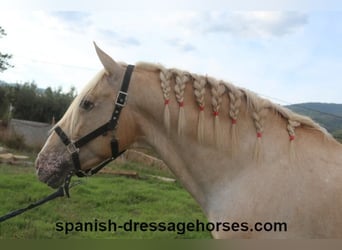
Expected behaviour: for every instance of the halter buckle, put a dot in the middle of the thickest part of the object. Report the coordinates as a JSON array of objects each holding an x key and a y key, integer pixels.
[
  {"x": 72, "y": 148},
  {"x": 121, "y": 99}
]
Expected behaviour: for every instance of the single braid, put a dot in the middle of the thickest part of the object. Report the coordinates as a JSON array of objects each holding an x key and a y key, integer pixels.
[
  {"x": 181, "y": 79},
  {"x": 217, "y": 90},
  {"x": 258, "y": 118},
  {"x": 234, "y": 105},
  {"x": 258, "y": 122},
  {"x": 199, "y": 92},
  {"x": 165, "y": 77},
  {"x": 234, "y": 109},
  {"x": 291, "y": 126}
]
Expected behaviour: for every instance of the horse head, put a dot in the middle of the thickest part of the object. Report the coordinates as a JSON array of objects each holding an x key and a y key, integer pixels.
[{"x": 90, "y": 112}]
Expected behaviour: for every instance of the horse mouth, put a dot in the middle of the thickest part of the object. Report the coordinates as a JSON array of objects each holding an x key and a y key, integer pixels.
[
  {"x": 53, "y": 175},
  {"x": 54, "y": 180}
]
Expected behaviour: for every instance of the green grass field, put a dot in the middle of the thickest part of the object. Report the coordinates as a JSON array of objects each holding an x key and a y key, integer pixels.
[{"x": 98, "y": 199}]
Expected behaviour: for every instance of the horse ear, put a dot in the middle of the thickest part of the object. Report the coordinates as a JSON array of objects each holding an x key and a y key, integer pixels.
[{"x": 108, "y": 63}]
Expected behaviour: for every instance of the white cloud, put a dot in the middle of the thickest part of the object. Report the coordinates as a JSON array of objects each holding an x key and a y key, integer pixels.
[
  {"x": 182, "y": 45},
  {"x": 174, "y": 5},
  {"x": 260, "y": 24},
  {"x": 274, "y": 53},
  {"x": 74, "y": 21},
  {"x": 116, "y": 39}
]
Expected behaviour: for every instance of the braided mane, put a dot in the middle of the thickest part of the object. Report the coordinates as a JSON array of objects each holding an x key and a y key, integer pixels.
[{"x": 256, "y": 105}]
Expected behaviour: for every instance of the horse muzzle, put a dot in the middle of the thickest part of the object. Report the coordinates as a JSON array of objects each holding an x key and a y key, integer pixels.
[{"x": 52, "y": 169}]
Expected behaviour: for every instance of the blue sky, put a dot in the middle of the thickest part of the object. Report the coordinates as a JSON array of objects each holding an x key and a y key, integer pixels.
[{"x": 289, "y": 56}]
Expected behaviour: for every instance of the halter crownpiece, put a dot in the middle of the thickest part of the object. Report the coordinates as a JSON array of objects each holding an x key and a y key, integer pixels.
[{"x": 74, "y": 147}]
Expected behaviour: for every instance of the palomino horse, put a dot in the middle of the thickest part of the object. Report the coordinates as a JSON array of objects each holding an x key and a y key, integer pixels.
[{"x": 244, "y": 159}]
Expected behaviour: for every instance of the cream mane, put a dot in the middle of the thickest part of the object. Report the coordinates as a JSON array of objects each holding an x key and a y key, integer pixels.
[
  {"x": 202, "y": 86},
  {"x": 173, "y": 81}
]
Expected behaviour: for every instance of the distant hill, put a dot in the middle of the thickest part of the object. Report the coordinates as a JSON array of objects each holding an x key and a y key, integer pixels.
[{"x": 328, "y": 115}]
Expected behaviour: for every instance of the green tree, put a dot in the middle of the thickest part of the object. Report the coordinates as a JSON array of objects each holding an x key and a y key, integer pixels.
[
  {"x": 25, "y": 102},
  {"x": 4, "y": 64},
  {"x": 34, "y": 104},
  {"x": 4, "y": 102}
]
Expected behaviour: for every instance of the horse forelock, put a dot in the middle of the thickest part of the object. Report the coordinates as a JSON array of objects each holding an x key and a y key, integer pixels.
[{"x": 71, "y": 116}]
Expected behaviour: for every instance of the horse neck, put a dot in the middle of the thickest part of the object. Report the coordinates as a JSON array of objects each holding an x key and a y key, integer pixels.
[
  {"x": 238, "y": 131},
  {"x": 181, "y": 152},
  {"x": 217, "y": 116}
]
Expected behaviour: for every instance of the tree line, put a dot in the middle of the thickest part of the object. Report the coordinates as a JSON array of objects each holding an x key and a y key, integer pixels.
[{"x": 28, "y": 102}]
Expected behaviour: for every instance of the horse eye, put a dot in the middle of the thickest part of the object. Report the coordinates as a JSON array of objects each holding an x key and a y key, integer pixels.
[{"x": 87, "y": 105}]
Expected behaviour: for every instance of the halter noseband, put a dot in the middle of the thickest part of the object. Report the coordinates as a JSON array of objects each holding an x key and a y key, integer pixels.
[{"x": 74, "y": 147}]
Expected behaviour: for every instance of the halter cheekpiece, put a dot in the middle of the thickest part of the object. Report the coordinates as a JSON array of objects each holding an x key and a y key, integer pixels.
[{"x": 74, "y": 147}]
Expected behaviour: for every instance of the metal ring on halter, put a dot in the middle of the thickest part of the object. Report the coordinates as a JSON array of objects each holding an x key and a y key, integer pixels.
[{"x": 72, "y": 148}]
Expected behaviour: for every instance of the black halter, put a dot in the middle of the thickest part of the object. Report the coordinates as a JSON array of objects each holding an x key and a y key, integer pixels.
[{"x": 74, "y": 147}]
